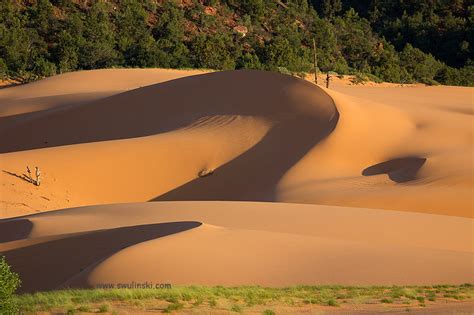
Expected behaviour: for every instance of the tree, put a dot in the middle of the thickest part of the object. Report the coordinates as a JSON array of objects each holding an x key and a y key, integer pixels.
[
  {"x": 249, "y": 61},
  {"x": 360, "y": 45},
  {"x": 70, "y": 41},
  {"x": 41, "y": 18},
  {"x": 254, "y": 8},
  {"x": 213, "y": 52},
  {"x": 98, "y": 49},
  {"x": 43, "y": 68},
  {"x": 3, "y": 69},
  {"x": 420, "y": 65},
  {"x": 169, "y": 35},
  {"x": 39, "y": 38},
  {"x": 330, "y": 8},
  {"x": 14, "y": 40},
  {"x": 134, "y": 41},
  {"x": 9, "y": 283}
]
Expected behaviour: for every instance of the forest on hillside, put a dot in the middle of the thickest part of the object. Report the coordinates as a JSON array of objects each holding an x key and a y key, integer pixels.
[{"x": 405, "y": 41}]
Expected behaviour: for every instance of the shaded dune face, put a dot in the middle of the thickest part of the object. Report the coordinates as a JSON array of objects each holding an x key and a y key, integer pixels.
[
  {"x": 169, "y": 106},
  {"x": 254, "y": 175},
  {"x": 61, "y": 257},
  {"x": 15, "y": 230}
]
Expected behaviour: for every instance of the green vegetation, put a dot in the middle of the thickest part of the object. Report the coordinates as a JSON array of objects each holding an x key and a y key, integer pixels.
[
  {"x": 390, "y": 40},
  {"x": 103, "y": 308},
  {"x": 236, "y": 299},
  {"x": 236, "y": 308},
  {"x": 9, "y": 283}
]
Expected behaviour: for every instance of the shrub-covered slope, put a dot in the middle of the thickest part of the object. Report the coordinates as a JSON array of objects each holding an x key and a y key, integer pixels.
[{"x": 392, "y": 42}]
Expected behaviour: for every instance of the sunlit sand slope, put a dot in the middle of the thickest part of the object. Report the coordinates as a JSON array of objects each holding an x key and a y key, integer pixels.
[{"x": 234, "y": 243}]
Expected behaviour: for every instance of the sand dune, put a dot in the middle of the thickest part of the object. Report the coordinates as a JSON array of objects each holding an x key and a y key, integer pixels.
[
  {"x": 187, "y": 141},
  {"x": 81, "y": 87},
  {"x": 240, "y": 243},
  {"x": 214, "y": 125},
  {"x": 57, "y": 258}
]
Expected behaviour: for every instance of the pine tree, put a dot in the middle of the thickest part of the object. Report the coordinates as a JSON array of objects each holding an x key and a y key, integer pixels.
[{"x": 98, "y": 50}]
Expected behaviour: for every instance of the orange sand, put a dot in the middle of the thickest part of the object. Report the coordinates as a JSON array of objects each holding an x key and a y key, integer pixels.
[{"x": 119, "y": 136}]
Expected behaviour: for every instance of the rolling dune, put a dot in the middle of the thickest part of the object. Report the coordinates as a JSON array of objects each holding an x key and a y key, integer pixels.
[
  {"x": 270, "y": 244},
  {"x": 367, "y": 188},
  {"x": 87, "y": 86}
]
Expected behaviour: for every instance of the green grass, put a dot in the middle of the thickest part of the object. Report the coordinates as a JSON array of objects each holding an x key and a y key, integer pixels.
[
  {"x": 235, "y": 298},
  {"x": 104, "y": 308},
  {"x": 173, "y": 307},
  {"x": 236, "y": 308}
]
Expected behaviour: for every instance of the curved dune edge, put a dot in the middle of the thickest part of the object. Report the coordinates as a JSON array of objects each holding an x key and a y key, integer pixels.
[
  {"x": 230, "y": 257},
  {"x": 232, "y": 124},
  {"x": 57, "y": 258},
  {"x": 323, "y": 244},
  {"x": 88, "y": 86}
]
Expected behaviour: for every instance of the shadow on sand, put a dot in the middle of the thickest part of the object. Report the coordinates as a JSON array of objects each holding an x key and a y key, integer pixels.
[
  {"x": 399, "y": 170},
  {"x": 46, "y": 263}
]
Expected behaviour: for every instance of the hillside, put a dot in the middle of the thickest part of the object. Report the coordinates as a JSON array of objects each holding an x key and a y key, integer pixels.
[{"x": 386, "y": 40}]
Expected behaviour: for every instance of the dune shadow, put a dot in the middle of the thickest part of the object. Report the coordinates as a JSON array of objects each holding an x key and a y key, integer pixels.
[
  {"x": 47, "y": 265},
  {"x": 10, "y": 85},
  {"x": 254, "y": 175},
  {"x": 399, "y": 170},
  {"x": 23, "y": 177},
  {"x": 460, "y": 110},
  {"x": 150, "y": 110},
  {"x": 17, "y": 107},
  {"x": 13, "y": 230}
]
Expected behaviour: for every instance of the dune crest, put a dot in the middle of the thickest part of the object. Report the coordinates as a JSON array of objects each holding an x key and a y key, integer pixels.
[{"x": 165, "y": 242}]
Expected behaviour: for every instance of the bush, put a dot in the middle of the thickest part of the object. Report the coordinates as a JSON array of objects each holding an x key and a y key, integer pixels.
[
  {"x": 104, "y": 308},
  {"x": 3, "y": 69},
  {"x": 332, "y": 302},
  {"x": 9, "y": 283},
  {"x": 236, "y": 308},
  {"x": 173, "y": 307},
  {"x": 283, "y": 70},
  {"x": 213, "y": 52},
  {"x": 428, "y": 81},
  {"x": 420, "y": 65},
  {"x": 359, "y": 78},
  {"x": 44, "y": 68}
]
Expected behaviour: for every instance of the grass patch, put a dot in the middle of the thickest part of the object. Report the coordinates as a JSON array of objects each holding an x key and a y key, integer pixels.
[
  {"x": 104, "y": 308},
  {"x": 84, "y": 308},
  {"x": 236, "y": 308},
  {"x": 173, "y": 307},
  {"x": 332, "y": 302},
  {"x": 75, "y": 301}
]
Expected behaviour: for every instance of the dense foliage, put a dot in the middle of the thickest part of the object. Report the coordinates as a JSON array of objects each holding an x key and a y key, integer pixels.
[
  {"x": 9, "y": 282},
  {"x": 391, "y": 40}
]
